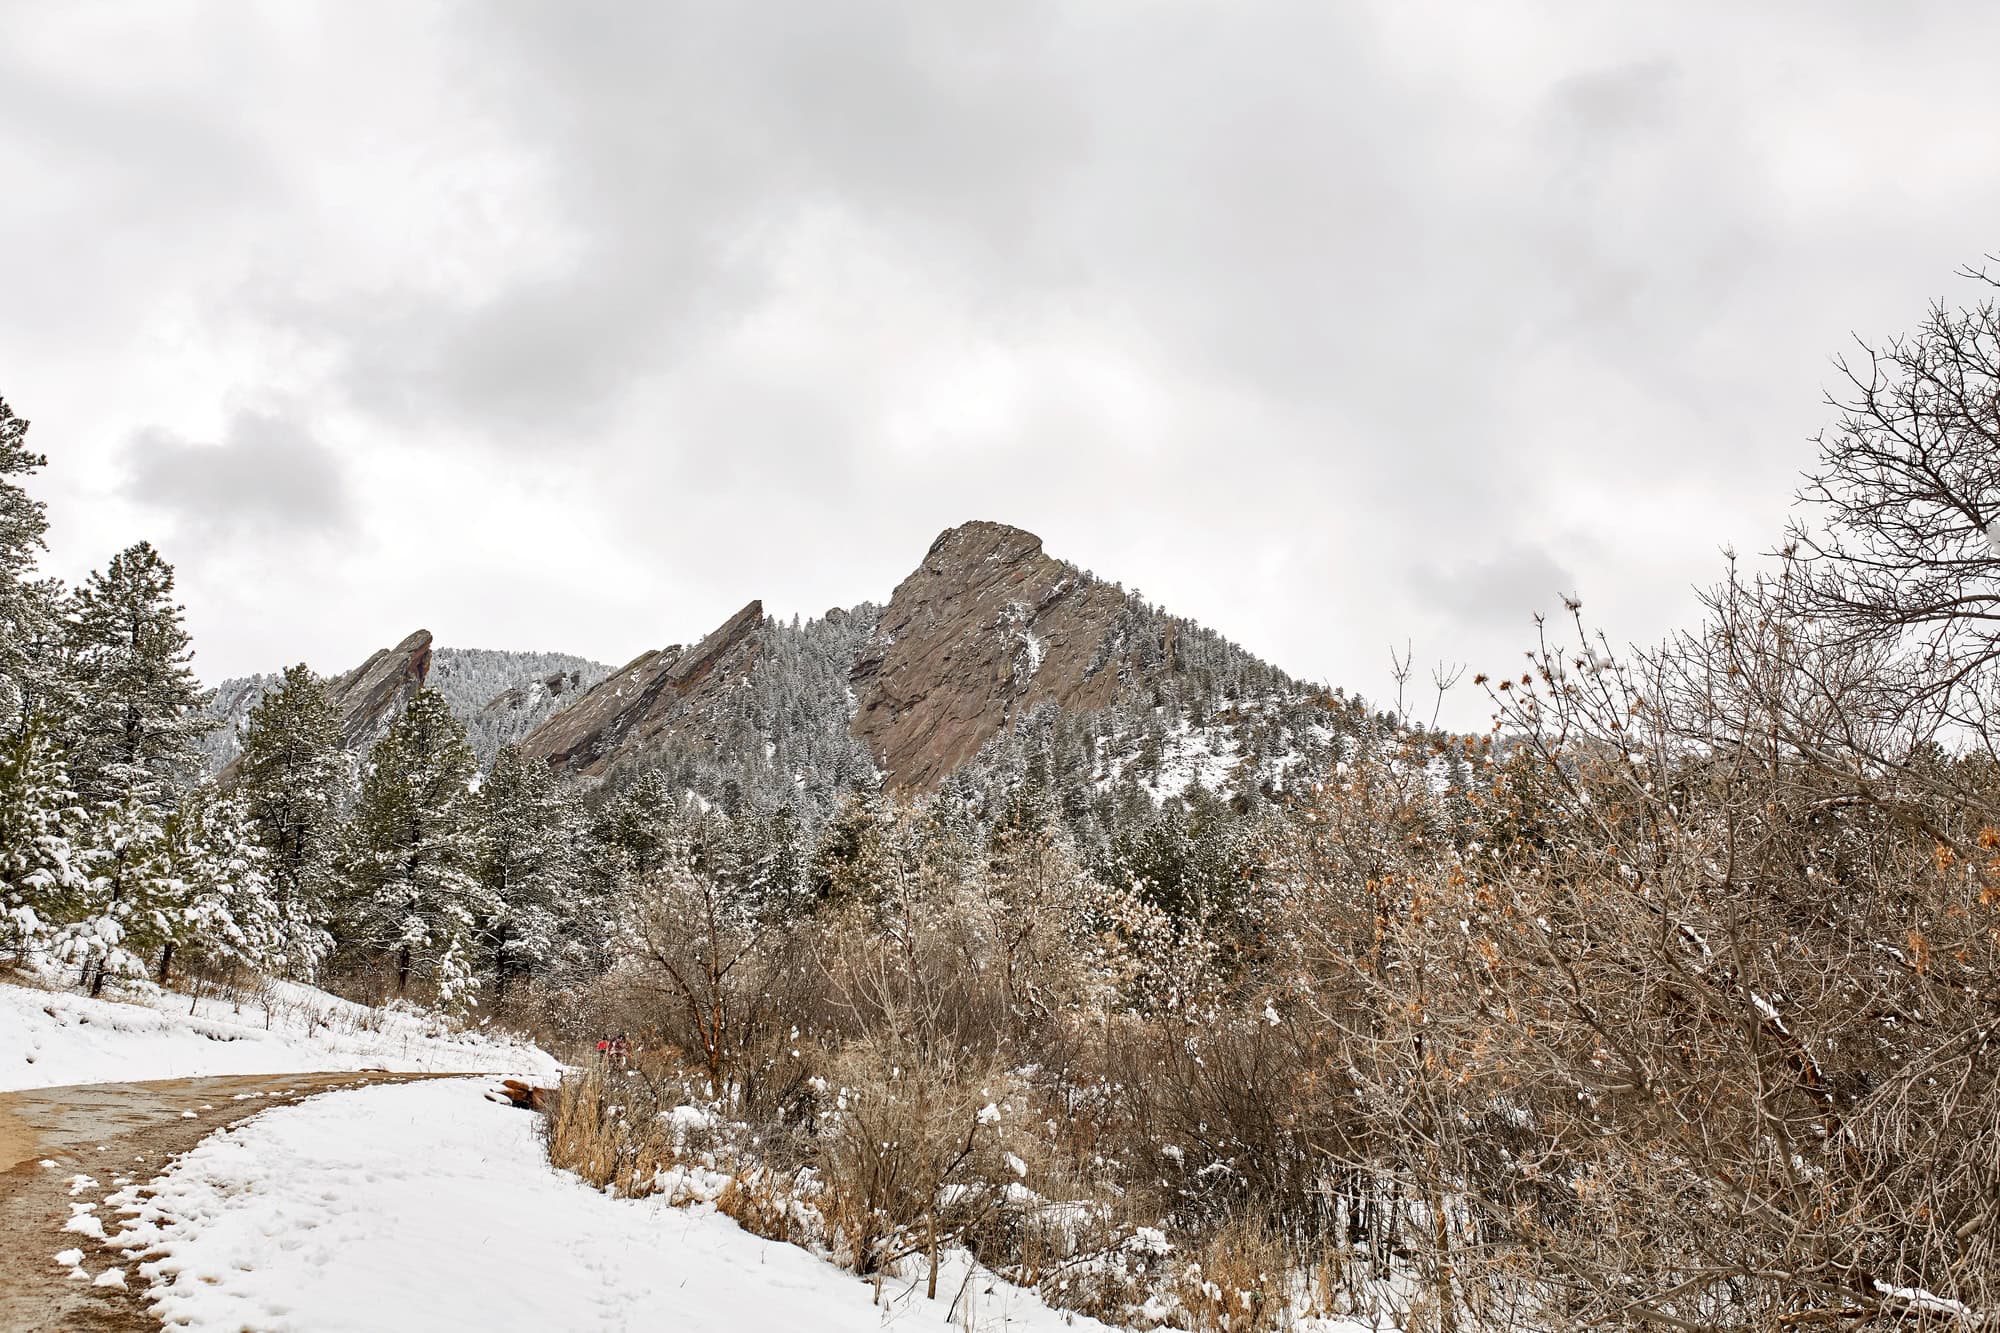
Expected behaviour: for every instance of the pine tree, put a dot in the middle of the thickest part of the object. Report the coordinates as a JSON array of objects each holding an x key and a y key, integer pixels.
[
  {"x": 41, "y": 876},
  {"x": 529, "y": 870},
  {"x": 143, "y": 711},
  {"x": 28, "y": 622},
  {"x": 850, "y": 863},
  {"x": 415, "y": 896},
  {"x": 638, "y": 827},
  {"x": 228, "y": 913},
  {"x": 127, "y": 904},
  {"x": 294, "y": 779},
  {"x": 786, "y": 863}
]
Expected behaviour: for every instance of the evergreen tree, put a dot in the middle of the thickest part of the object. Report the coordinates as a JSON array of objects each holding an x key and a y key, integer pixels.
[
  {"x": 28, "y": 622},
  {"x": 529, "y": 871},
  {"x": 637, "y": 829},
  {"x": 786, "y": 860},
  {"x": 414, "y": 892},
  {"x": 143, "y": 711},
  {"x": 126, "y": 906},
  {"x": 851, "y": 862},
  {"x": 227, "y": 913},
  {"x": 41, "y": 876},
  {"x": 294, "y": 779}
]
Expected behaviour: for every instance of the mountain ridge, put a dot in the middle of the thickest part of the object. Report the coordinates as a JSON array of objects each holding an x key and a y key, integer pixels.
[{"x": 986, "y": 635}]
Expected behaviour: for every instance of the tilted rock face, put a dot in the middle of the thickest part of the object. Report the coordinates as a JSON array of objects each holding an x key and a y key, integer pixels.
[
  {"x": 372, "y": 695},
  {"x": 986, "y": 628},
  {"x": 648, "y": 696},
  {"x": 366, "y": 699}
]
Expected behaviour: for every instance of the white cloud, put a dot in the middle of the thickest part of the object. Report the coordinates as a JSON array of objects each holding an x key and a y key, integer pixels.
[{"x": 605, "y": 320}]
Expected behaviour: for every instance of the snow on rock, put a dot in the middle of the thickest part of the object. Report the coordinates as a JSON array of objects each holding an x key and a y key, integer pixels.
[
  {"x": 51, "y": 1038},
  {"x": 422, "y": 1205}
]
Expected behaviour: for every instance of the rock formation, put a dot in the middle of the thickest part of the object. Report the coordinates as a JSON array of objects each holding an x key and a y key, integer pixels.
[
  {"x": 367, "y": 699},
  {"x": 656, "y": 692},
  {"x": 519, "y": 698},
  {"x": 370, "y": 697},
  {"x": 987, "y": 627}
]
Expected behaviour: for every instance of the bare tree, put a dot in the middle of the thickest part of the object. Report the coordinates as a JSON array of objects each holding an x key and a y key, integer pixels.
[
  {"x": 1907, "y": 497},
  {"x": 696, "y": 944}
]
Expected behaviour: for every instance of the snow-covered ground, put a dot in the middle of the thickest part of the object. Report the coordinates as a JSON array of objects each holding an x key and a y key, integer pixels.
[
  {"x": 48, "y": 1038},
  {"x": 423, "y": 1205}
]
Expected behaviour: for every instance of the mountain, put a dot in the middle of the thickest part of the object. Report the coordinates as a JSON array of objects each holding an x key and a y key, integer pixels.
[
  {"x": 987, "y": 640},
  {"x": 503, "y": 696},
  {"x": 993, "y": 658},
  {"x": 655, "y": 692},
  {"x": 987, "y": 628},
  {"x": 756, "y": 710},
  {"x": 500, "y": 696},
  {"x": 369, "y": 697}
]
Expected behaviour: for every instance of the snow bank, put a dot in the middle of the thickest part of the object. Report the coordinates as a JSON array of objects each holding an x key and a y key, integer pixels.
[
  {"x": 422, "y": 1205},
  {"x": 48, "y": 1038}
]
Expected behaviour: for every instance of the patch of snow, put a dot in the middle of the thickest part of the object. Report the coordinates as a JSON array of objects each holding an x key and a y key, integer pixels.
[
  {"x": 84, "y": 1221},
  {"x": 1916, "y": 1298},
  {"x": 422, "y": 1205},
  {"x": 1207, "y": 757},
  {"x": 52, "y": 1038}
]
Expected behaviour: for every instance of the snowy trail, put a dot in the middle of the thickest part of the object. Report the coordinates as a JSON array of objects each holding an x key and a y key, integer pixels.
[
  {"x": 63, "y": 1147},
  {"x": 426, "y": 1206},
  {"x": 50, "y": 1037}
]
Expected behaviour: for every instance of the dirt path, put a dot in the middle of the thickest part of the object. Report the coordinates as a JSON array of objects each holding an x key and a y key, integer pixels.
[{"x": 113, "y": 1133}]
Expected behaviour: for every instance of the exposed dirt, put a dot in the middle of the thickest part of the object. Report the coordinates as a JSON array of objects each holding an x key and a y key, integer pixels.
[{"x": 109, "y": 1132}]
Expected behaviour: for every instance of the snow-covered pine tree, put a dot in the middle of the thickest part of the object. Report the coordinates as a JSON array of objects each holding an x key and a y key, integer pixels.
[
  {"x": 29, "y": 664},
  {"x": 228, "y": 914},
  {"x": 295, "y": 779},
  {"x": 41, "y": 875},
  {"x": 130, "y": 897},
  {"x": 637, "y": 828},
  {"x": 784, "y": 861},
  {"x": 414, "y": 895},
  {"x": 142, "y": 713},
  {"x": 529, "y": 867}
]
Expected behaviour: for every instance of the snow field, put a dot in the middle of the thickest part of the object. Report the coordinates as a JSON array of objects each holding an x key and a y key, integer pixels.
[
  {"x": 425, "y": 1206},
  {"x": 54, "y": 1038}
]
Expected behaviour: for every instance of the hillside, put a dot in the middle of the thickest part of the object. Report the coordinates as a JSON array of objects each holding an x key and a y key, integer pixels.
[
  {"x": 499, "y": 696},
  {"x": 978, "y": 651}
]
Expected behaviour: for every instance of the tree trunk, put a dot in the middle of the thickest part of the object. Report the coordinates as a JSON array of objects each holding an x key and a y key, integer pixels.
[
  {"x": 166, "y": 961},
  {"x": 500, "y": 964}
]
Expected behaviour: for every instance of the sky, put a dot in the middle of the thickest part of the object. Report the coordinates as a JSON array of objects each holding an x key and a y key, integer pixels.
[{"x": 1334, "y": 326}]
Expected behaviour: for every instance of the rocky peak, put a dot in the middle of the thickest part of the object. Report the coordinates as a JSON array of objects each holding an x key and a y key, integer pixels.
[
  {"x": 646, "y": 697},
  {"x": 988, "y": 626},
  {"x": 370, "y": 697}
]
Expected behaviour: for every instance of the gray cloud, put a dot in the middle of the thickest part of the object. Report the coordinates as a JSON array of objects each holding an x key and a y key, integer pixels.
[
  {"x": 264, "y": 478},
  {"x": 1293, "y": 314},
  {"x": 1625, "y": 100},
  {"x": 1504, "y": 592}
]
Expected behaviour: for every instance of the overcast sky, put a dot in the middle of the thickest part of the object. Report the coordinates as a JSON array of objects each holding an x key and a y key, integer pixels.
[{"x": 1331, "y": 325}]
